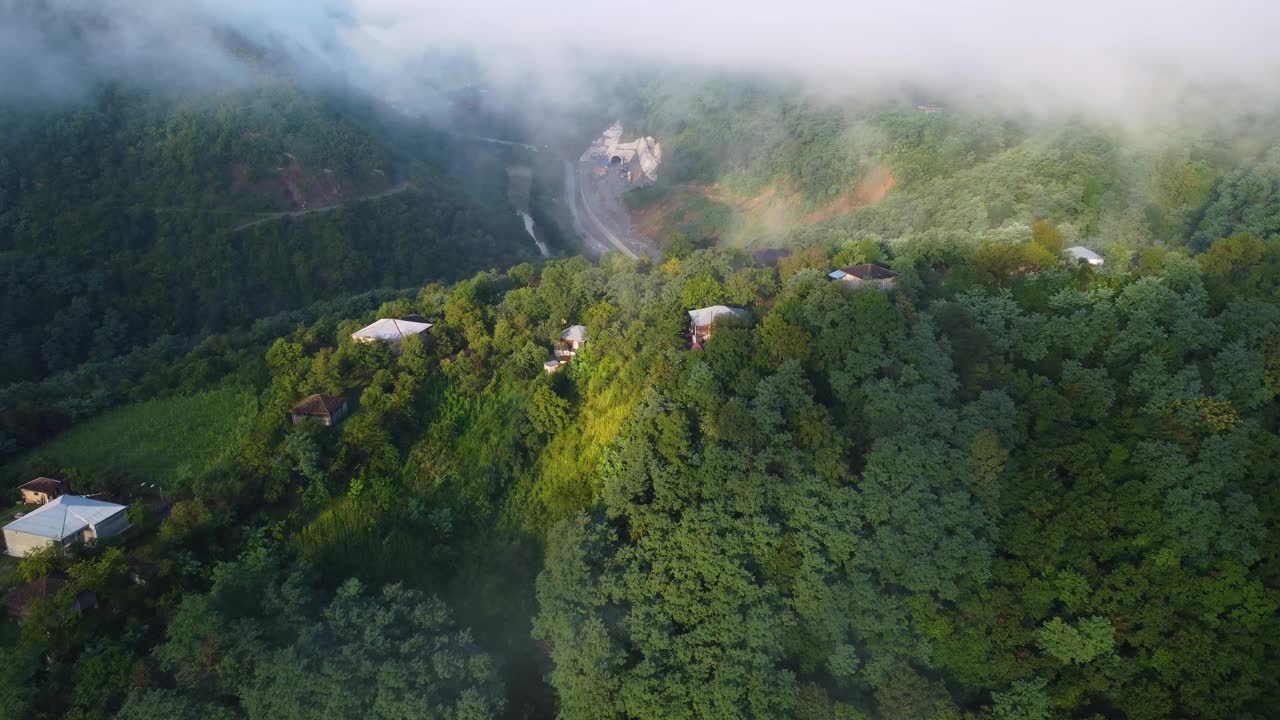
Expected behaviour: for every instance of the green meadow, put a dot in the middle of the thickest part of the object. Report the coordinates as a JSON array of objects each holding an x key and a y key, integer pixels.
[{"x": 167, "y": 440}]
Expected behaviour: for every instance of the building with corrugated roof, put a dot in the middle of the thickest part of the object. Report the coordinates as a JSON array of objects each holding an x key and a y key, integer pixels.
[
  {"x": 703, "y": 320},
  {"x": 64, "y": 521},
  {"x": 325, "y": 409},
  {"x": 865, "y": 275},
  {"x": 390, "y": 331},
  {"x": 1080, "y": 253}
]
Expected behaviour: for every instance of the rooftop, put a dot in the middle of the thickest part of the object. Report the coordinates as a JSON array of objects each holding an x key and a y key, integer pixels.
[
  {"x": 64, "y": 516},
  {"x": 708, "y": 315},
  {"x": 868, "y": 271},
  {"x": 391, "y": 329},
  {"x": 575, "y": 333},
  {"x": 319, "y": 405},
  {"x": 21, "y": 598},
  {"x": 1080, "y": 252},
  {"x": 43, "y": 485}
]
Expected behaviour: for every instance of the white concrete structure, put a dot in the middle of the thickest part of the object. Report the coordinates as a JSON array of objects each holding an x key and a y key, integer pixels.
[
  {"x": 1080, "y": 252},
  {"x": 642, "y": 155},
  {"x": 64, "y": 520},
  {"x": 390, "y": 331}
]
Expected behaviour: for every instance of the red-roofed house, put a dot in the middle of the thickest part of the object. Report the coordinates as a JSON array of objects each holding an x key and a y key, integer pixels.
[
  {"x": 41, "y": 490},
  {"x": 18, "y": 603}
]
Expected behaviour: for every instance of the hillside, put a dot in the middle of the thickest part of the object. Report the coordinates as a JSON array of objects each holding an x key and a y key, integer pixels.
[
  {"x": 146, "y": 214},
  {"x": 759, "y": 165},
  {"x": 1009, "y": 488}
]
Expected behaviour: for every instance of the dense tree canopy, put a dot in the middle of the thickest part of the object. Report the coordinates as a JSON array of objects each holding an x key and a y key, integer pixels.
[{"x": 1014, "y": 486}]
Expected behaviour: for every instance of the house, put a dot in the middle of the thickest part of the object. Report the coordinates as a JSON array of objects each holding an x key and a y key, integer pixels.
[
  {"x": 41, "y": 490},
  {"x": 702, "y": 321},
  {"x": 64, "y": 520},
  {"x": 866, "y": 275},
  {"x": 18, "y": 602},
  {"x": 571, "y": 341},
  {"x": 769, "y": 256},
  {"x": 551, "y": 366},
  {"x": 389, "y": 331},
  {"x": 327, "y": 409},
  {"x": 1079, "y": 253}
]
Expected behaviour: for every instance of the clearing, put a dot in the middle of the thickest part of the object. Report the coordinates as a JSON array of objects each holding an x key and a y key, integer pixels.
[
  {"x": 168, "y": 440},
  {"x": 743, "y": 219}
]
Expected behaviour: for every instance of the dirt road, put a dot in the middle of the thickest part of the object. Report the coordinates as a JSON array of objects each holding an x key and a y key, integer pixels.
[{"x": 269, "y": 217}]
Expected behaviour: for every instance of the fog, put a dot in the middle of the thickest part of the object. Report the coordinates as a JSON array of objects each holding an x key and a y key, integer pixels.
[{"x": 1132, "y": 59}]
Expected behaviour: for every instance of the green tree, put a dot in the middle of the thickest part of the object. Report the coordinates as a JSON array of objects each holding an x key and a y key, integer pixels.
[{"x": 1086, "y": 640}]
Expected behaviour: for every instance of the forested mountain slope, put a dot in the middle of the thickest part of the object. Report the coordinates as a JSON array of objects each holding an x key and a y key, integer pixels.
[
  {"x": 1012, "y": 488},
  {"x": 150, "y": 213},
  {"x": 753, "y": 163}
]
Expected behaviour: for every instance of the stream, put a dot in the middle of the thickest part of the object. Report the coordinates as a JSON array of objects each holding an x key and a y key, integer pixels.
[{"x": 519, "y": 183}]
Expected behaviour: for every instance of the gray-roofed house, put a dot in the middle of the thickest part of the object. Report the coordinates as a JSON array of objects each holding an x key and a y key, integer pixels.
[
  {"x": 326, "y": 409},
  {"x": 1080, "y": 253},
  {"x": 390, "y": 331},
  {"x": 63, "y": 521},
  {"x": 571, "y": 341},
  {"x": 703, "y": 320},
  {"x": 866, "y": 275}
]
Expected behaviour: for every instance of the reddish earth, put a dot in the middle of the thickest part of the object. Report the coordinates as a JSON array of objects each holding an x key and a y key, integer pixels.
[
  {"x": 870, "y": 191},
  {"x": 775, "y": 206}
]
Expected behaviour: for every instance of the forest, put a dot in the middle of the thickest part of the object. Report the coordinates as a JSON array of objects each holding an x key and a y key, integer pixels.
[
  {"x": 1038, "y": 492},
  {"x": 1012, "y": 486},
  {"x": 190, "y": 192}
]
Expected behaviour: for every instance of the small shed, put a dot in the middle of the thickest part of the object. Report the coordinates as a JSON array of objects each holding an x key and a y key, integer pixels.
[
  {"x": 1080, "y": 253},
  {"x": 18, "y": 603},
  {"x": 702, "y": 321},
  {"x": 551, "y": 366},
  {"x": 328, "y": 410},
  {"x": 41, "y": 490}
]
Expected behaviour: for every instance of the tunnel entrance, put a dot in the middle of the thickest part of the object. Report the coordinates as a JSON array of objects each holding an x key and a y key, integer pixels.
[{"x": 615, "y": 161}]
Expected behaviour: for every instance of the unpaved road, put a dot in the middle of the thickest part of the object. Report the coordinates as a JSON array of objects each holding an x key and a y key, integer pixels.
[{"x": 269, "y": 217}]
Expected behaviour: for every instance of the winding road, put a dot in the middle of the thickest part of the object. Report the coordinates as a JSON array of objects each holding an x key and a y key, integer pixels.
[{"x": 589, "y": 225}]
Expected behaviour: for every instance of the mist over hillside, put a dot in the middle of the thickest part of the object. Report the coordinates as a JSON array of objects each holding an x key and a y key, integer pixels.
[
  {"x": 683, "y": 361},
  {"x": 1134, "y": 61}
]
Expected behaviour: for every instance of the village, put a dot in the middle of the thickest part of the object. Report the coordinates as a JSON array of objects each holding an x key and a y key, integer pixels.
[{"x": 52, "y": 516}]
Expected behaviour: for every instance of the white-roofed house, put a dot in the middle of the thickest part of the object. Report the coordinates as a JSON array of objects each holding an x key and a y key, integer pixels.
[
  {"x": 1080, "y": 253},
  {"x": 64, "y": 520},
  {"x": 702, "y": 321},
  {"x": 390, "y": 331}
]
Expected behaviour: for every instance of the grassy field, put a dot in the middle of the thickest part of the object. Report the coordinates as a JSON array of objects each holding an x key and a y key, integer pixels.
[{"x": 167, "y": 441}]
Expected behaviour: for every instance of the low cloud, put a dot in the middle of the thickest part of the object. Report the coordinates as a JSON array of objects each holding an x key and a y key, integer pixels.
[{"x": 1124, "y": 58}]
